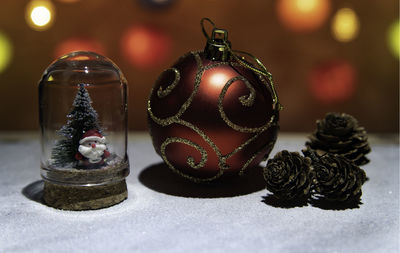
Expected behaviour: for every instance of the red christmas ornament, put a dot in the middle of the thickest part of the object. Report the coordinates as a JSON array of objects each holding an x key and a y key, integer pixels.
[{"x": 213, "y": 114}]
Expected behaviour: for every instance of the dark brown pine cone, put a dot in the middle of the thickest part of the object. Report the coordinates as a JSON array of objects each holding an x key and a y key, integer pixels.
[
  {"x": 336, "y": 177},
  {"x": 288, "y": 175},
  {"x": 339, "y": 133}
]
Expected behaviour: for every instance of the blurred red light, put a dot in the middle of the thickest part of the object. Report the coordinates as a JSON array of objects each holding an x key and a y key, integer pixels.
[
  {"x": 78, "y": 44},
  {"x": 333, "y": 81},
  {"x": 145, "y": 47}
]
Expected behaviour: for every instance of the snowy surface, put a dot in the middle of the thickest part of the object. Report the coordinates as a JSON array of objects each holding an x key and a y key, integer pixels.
[{"x": 165, "y": 214}]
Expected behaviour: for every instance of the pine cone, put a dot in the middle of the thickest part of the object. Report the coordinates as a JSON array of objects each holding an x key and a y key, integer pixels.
[
  {"x": 288, "y": 175},
  {"x": 336, "y": 177},
  {"x": 339, "y": 133}
]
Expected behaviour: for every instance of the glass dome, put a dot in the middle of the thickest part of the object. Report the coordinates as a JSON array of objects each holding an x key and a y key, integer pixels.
[{"x": 83, "y": 119}]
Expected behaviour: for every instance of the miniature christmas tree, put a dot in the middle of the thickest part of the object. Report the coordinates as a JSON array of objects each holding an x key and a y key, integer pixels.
[{"x": 81, "y": 119}]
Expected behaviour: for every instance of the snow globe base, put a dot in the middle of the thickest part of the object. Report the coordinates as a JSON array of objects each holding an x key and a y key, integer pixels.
[{"x": 78, "y": 198}]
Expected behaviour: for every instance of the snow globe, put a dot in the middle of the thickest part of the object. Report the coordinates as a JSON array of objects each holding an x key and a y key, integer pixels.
[{"x": 83, "y": 121}]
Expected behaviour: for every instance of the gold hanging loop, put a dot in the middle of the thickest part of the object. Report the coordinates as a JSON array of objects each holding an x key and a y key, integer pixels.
[
  {"x": 262, "y": 70},
  {"x": 235, "y": 54}
]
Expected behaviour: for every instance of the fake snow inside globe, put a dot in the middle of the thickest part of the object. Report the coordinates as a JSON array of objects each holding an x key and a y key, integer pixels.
[{"x": 83, "y": 119}]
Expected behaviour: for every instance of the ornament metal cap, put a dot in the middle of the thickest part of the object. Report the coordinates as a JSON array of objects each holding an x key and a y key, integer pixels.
[{"x": 217, "y": 49}]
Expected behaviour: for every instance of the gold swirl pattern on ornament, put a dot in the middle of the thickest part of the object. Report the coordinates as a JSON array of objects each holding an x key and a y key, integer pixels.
[
  {"x": 165, "y": 92},
  {"x": 190, "y": 159},
  {"x": 241, "y": 172},
  {"x": 241, "y": 60},
  {"x": 176, "y": 119},
  {"x": 246, "y": 100},
  {"x": 222, "y": 161},
  {"x": 169, "y": 120}
]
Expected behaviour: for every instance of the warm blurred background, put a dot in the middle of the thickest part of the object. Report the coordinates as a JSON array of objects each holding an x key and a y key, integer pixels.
[{"x": 325, "y": 55}]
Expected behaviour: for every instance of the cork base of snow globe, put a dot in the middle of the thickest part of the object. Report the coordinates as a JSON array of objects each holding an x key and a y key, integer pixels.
[{"x": 79, "y": 198}]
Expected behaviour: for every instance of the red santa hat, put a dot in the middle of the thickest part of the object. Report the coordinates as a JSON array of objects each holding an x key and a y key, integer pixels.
[{"x": 92, "y": 135}]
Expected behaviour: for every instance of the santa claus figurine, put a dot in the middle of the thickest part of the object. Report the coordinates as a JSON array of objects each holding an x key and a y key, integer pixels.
[{"x": 92, "y": 149}]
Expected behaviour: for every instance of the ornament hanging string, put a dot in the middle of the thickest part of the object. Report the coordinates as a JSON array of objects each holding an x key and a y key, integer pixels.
[
  {"x": 203, "y": 28},
  {"x": 236, "y": 54}
]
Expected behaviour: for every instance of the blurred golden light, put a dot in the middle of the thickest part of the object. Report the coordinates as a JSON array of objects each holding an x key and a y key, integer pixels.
[
  {"x": 39, "y": 14},
  {"x": 5, "y": 51},
  {"x": 345, "y": 25},
  {"x": 394, "y": 38},
  {"x": 306, "y": 6},
  {"x": 303, "y": 15}
]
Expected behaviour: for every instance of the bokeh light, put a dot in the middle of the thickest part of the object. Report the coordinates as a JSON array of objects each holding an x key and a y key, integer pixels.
[
  {"x": 5, "y": 51},
  {"x": 303, "y": 15},
  {"x": 394, "y": 38},
  {"x": 333, "y": 81},
  {"x": 39, "y": 14},
  {"x": 78, "y": 44},
  {"x": 345, "y": 25},
  {"x": 145, "y": 47}
]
